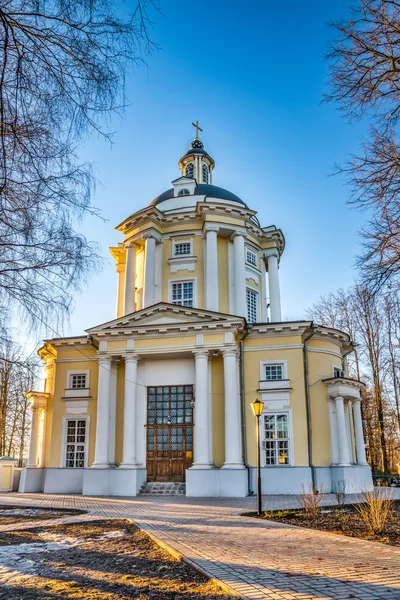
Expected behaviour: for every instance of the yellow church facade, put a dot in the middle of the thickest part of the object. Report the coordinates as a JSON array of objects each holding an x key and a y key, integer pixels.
[{"x": 163, "y": 392}]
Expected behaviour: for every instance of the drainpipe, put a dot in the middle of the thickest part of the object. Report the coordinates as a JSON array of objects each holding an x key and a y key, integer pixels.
[
  {"x": 308, "y": 409},
  {"x": 243, "y": 410}
]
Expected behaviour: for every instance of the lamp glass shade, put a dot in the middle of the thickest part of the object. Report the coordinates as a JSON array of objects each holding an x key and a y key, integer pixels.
[{"x": 258, "y": 407}]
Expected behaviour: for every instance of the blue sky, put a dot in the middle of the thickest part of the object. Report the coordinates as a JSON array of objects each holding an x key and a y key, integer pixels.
[{"x": 253, "y": 74}]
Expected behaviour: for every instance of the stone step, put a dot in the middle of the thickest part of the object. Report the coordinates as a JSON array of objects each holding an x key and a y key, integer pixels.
[{"x": 163, "y": 488}]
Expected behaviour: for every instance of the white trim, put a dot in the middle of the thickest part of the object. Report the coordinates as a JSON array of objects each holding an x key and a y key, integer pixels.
[
  {"x": 64, "y": 443},
  {"x": 265, "y": 363},
  {"x": 283, "y": 347},
  {"x": 278, "y": 411},
  {"x": 182, "y": 280},
  {"x": 231, "y": 278},
  {"x": 187, "y": 240},
  {"x": 323, "y": 351},
  {"x": 71, "y": 392}
]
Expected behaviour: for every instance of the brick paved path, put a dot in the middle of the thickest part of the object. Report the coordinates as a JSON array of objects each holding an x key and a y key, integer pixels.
[{"x": 258, "y": 559}]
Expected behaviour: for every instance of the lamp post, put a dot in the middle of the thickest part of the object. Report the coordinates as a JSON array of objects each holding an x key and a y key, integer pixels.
[{"x": 258, "y": 407}]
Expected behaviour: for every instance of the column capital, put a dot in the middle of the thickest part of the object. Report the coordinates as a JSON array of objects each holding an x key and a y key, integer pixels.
[
  {"x": 148, "y": 235},
  {"x": 131, "y": 357},
  {"x": 106, "y": 358},
  {"x": 211, "y": 227},
  {"x": 271, "y": 252},
  {"x": 120, "y": 268},
  {"x": 200, "y": 353},
  {"x": 37, "y": 399},
  {"x": 238, "y": 233},
  {"x": 230, "y": 351},
  {"x": 131, "y": 244}
]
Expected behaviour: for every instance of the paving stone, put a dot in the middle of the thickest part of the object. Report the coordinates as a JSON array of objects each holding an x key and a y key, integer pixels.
[{"x": 260, "y": 560}]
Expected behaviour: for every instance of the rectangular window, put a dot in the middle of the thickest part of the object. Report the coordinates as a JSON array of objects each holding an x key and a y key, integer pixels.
[
  {"x": 78, "y": 381},
  {"x": 182, "y": 293},
  {"x": 276, "y": 440},
  {"x": 182, "y": 248},
  {"x": 75, "y": 446},
  {"x": 251, "y": 257},
  {"x": 337, "y": 372},
  {"x": 252, "y": 305},
  {"x": 273, "y": 372}
]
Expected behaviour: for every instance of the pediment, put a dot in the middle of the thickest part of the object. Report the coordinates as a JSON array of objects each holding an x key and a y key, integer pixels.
[{"x": 163, "y": 314}]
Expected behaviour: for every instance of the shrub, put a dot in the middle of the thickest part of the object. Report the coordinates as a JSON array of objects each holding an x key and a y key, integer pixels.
[
  {"x": 375, "y": 509},
  {"x": 339, "y": 489},
  {"x": 310, "y": 502}
]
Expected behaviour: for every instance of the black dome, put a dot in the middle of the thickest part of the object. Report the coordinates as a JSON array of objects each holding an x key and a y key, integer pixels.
[{"x": 202, "y": 189}]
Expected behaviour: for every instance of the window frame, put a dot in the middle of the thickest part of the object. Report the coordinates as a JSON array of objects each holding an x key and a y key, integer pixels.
[
  {"x": 336, "y": 368},
  {"x": 257, "y": 296},
  {"x": 70, "y": 374},
  {"x": 203, "y": 167},
  {"x": 64, "y": 441},
  {"x": 177, "y": 242},
  {"x": 254, "y": 254},
  {"x": 192, "y": 169},
  {"x": 267, "y": 363},
  {"x": 290, "y": 451},
  {"x": 183, "y": 280}
]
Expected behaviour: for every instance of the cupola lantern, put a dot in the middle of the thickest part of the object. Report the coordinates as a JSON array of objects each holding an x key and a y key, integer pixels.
[{"x": 197, "y": 163}]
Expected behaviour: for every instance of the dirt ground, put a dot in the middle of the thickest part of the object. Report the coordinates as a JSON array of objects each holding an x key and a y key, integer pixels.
[
  {"x": 99, "y": 560},
  {"x": 345, "y": 521},
  {"x": 19, "y": 514}
]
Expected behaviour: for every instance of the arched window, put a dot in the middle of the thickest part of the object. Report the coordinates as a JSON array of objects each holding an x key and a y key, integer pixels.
[
  {"x": 205, "y": 173},
  {"x": 189, "y": 170},
  {"x": 183, "y": 192}
]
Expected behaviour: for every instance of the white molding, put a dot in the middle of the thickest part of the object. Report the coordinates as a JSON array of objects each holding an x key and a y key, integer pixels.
[
  {"x": 63, "y": 439},
  {"x": 283, "y": 347},
  {"x": 324, "y": 351},
  {"x": 78, "y": 392},
  {"x": 185, "y": 262},
  {"x": 264, "y": 363}
]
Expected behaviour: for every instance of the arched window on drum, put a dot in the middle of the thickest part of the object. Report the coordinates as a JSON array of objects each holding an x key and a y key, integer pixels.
[
  {"x": 189, "y": 170},
  {"x": 205, "y": 173}
]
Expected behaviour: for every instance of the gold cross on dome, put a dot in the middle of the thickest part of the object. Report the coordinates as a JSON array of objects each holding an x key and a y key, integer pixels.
[{"x": 198, "y": 128}]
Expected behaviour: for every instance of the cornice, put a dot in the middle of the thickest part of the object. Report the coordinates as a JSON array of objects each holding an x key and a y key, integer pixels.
[{"x": 279, "y": 329}]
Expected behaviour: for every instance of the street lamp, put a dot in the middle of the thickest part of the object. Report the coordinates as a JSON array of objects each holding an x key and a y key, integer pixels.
[{"x": 258, "y": 407}]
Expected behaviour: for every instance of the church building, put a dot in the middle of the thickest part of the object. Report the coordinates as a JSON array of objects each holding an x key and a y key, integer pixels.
[{"x": 163, "y": 391}]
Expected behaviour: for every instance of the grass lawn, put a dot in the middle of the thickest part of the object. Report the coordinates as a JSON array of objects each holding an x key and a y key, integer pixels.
[
  {"x": 97, "y": 560},
  {"x": 345, "y": 521}
]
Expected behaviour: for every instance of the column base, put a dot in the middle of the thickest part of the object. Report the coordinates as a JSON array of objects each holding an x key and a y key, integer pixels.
[
  {"x": 113, "y": 482},
  {"x": 216, "y": 483},
  {"x": 100, "y": 466},
  {"x": 31, "y": 480},
  {"x": 233, "y": 466},
  {"x": 196, "y": 466},
  {"x": 130, "y": 466}
]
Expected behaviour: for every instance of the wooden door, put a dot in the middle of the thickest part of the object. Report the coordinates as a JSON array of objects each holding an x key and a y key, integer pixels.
[{"x": 169, "y": 432}]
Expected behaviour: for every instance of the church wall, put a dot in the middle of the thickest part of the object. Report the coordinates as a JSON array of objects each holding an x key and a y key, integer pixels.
[
  {"x": 294, "y": 358},
  {"x": 320, "y": 367},
  {"x": 163, "y": 342},
  {"x": 117, "y": 345},
  {"x": 218, "y": 430},
  {"x": 57, "y": 405}
]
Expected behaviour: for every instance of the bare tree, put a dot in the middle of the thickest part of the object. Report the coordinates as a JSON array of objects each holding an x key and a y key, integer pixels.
[
  {"x": 62, "y": 69},
  {"x": 365, "y": 82}
]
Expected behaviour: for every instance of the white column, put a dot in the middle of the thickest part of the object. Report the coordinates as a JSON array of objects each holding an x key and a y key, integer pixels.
[
  {"x": 103, "y": 415},
  {"x": 113, "y": 411},
  {"x": 240, "y": 275},
  {"x": 120, "y": 290},
  {"x": 341, "y": 430},
  {"x": 202, "y": 458},
  {"x": 33, "y": 444},
  {"x": 233, "y": 434},
  {"x": 149, "y": 290},
  {"x": 273, "y": 282},
  {"x": 359, "y": 433},
  {"x": 130, "y": 272},
  {"x": 211, "y": 268},
  {"x": 333, "y": 432},
  {"x": 129, "y": 442},
  {"x": 264, "y": 311}
]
